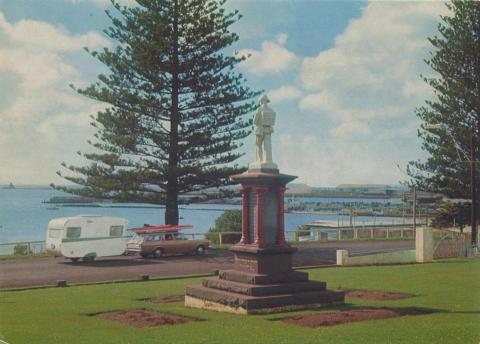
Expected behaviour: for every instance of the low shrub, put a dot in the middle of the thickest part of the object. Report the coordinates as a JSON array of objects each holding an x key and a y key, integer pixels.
[{"x": 228, "y": 221}]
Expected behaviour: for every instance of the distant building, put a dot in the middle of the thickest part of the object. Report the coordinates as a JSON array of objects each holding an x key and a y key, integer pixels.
[
  {"x": 349, "y": 190},
  {"x": 370, "y": 189}
]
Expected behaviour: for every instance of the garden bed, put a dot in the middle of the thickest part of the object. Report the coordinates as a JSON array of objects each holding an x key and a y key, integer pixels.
[
  {"x": 144, "y": 318},
  {"x": 168, "y": 299}
]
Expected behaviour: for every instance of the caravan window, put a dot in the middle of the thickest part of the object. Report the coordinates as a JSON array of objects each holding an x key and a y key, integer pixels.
[
  {"x": 74, "y": 232},
  {"x": 116, "y": 231}
]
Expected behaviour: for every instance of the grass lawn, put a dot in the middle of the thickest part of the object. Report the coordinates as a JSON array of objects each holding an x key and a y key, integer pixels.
[{"x": 63, "y": 315}]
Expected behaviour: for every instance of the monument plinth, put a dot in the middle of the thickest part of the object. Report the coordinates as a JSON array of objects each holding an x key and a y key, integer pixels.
[{"x": 263, "y": 280}]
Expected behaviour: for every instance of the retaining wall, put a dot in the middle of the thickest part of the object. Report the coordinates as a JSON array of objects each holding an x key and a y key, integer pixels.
[
  {"x": 423, "y": 252},
  {"x": 398, "y": 257}
]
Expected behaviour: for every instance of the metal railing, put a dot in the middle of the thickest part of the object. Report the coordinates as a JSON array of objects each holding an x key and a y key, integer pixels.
[
  {"x": 22, "y": 247},
  {"x": 449, "y": 244},
  {"x": 351, "y": 233}
]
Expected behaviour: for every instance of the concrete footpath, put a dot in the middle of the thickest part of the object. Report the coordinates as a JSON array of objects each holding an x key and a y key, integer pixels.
[{"x": 46, "y": 271}]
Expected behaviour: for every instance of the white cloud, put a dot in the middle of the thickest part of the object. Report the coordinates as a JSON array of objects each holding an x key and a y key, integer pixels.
[
  {"x": 373, "y": 71},
  {"x": 37, "y": 36},
  {"x": 350, "y": 129},
  {"x": 61, "y": 127},
  {"x": 324, "y": 100},
  {"x": 363, "y": 92},
  {"x": 321, "y": 161},
  {"x": 272, "y": 57},
  {"x": 284, "y": 94},
  {"x": 41, "y": 118}
]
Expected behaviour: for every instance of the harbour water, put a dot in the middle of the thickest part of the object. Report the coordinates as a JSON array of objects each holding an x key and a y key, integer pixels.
[{"x": 23, "y": 216}]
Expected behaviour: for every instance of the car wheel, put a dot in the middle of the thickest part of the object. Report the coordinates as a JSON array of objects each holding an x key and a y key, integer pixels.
[
  {"x": 158, "y": 253},
  {"x": 200, "y": 251},
  {"x": 74, "y": 260}
]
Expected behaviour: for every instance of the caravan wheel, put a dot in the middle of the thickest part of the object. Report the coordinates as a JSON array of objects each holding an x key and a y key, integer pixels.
[
  {"x": 88, "y": 259},
  {"x": 74, "y": 260}
]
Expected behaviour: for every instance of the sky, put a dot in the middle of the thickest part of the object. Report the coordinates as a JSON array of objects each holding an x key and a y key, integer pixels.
[{"x": 344, "y": 78}]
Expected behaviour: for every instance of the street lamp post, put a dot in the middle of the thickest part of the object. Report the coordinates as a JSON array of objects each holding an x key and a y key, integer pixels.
[{"x": 473, "y": 187}]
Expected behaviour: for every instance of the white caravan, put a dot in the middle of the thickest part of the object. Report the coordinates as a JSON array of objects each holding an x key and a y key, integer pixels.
[{"x": 86, "y": 237}]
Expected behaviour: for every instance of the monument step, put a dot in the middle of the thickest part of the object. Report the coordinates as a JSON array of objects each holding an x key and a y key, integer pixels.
[
  {"x": 273, "y": 249},
  {"x": 266, "y": 289},
  {"x": 250, "y": 278},
  {"x": 247, "y": 302}
]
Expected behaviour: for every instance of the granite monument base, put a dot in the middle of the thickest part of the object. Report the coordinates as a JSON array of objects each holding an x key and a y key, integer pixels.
[{"x": 263, "y": 282}]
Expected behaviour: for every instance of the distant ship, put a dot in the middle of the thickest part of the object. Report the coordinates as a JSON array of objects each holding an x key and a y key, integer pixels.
[{"x": 10, "y": 186}]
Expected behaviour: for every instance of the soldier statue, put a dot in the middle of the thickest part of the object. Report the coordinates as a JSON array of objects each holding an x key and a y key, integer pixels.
[{"x": 264, "y": 120}]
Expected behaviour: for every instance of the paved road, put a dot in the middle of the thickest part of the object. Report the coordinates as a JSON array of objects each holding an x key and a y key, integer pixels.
[{"x": 46, "y": 271}]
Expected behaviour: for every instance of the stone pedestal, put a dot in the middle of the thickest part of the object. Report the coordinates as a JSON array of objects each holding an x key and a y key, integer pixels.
[{"x": 263, "y": 280}]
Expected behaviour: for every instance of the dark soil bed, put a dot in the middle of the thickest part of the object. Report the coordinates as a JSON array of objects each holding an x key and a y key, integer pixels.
[
  {"x": 168, "y": 299},
  {"x": 354, "y": 315},
  {"x": 143, "y": 318},
  {"x": 376, "y": 295}
]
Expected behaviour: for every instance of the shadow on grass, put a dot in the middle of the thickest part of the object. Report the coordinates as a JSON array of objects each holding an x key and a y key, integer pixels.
[
  {"x": 303, "y": 311},
  {"x": 163, "y": 299},
  {"x": 454, "y": 260},
  {"x": 350, "y": 314}
]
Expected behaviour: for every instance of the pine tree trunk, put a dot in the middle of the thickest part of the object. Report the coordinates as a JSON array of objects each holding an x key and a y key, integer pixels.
[{"x": 171, "y": 206}]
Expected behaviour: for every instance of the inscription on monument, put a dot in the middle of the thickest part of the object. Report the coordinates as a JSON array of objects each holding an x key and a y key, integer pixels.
[{"x": 270, "y": 218}]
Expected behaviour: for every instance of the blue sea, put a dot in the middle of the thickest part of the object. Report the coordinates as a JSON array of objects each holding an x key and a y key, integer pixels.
[{"x": 23, "y": 216}]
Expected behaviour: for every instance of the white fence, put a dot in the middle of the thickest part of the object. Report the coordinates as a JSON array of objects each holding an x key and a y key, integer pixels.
[{"x": 352, "y": 233}]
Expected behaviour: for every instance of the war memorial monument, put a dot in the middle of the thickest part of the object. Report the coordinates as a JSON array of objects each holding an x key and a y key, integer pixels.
[{"x": 263, "y": 280}]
